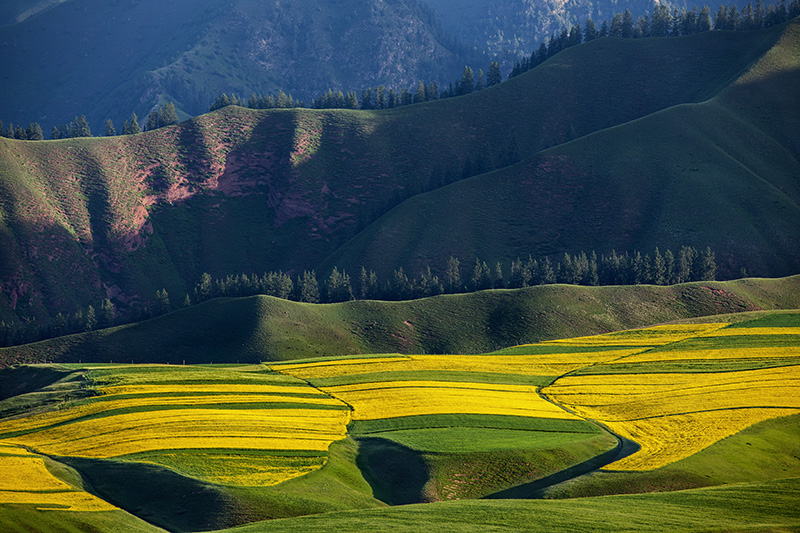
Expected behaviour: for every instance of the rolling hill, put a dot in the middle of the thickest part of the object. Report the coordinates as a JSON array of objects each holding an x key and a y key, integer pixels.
[
  {"x": 264, "y": 328},
  {"x": 242, "y": 190}
]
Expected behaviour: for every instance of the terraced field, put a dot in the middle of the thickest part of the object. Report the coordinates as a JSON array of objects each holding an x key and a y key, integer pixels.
[{"x": 325, "y": 435}]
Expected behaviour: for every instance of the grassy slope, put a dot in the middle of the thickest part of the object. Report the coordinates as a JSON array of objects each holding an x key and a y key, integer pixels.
[
  {"x": 721, "y": 173},
  {"x": 299, "y": 184},
  {"x": 264, "y": 328},
  {"x": 764, "y": 506}
]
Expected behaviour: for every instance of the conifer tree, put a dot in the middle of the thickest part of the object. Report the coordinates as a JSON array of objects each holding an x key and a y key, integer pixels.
[
  {"x": 34, "y": 132},
  {"x": 419, "y": 94},
  {"x": 167, "y": 116},
  {"x": 480, "y": 82},
  {"x": 494, "y": 76},
  {"x": 589, "y": 30},
  {"x": 110, "y": 130},
  {"x": 467, "y": 81},
  {"x": 308, "y": 287},
  {"x": 453, "y": 275}
]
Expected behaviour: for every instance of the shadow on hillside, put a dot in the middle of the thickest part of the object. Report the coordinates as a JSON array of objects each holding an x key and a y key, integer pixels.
[
  {"x": 536, "y": 489},
  {"x": 157, "y": 495},
  {"x": 397, "y": 474}
]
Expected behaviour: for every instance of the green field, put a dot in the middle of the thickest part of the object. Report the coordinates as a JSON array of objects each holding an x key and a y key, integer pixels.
[{"x": 205, "y": 447}]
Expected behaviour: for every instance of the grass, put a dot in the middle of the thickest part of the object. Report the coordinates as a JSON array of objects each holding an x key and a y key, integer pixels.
[{"x": 769, "y": 505}]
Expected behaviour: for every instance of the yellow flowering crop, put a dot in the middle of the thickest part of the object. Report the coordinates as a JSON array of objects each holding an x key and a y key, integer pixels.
[
  {"x": 659, "y": 411},
  {"x": 667, "y": 439},
  {"x": 730, "y": 332},
  {"x": 26, "y": 480},
  {"x": 205, "y": 388},
  {"x": 655, "y": 336},
  {"x": 27, "y": 474},
  {"x": 526, "y": 365},
  {"x": 712, "y": 354},
  {"x": 372, "y": 401},
  {"x": 276, "y": 429}
]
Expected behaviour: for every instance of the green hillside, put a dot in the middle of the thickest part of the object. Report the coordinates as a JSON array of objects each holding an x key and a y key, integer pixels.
[
  {"x": 264, "y": 328},
  {"x": 240, "y": 190},
  {"x": 722, "y": 172}
]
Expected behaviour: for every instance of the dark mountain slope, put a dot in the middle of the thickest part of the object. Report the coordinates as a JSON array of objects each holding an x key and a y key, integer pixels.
[
  {"x": 723, "y": 173},
  {"x": 240, "y": 190},
  {"x": 107, "y": 59}
]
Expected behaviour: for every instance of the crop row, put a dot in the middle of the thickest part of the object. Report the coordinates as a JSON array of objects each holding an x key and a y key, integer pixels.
[{"x": 371, "y": 401}]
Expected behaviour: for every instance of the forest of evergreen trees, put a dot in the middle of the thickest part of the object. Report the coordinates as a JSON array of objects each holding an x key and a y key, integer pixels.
[{"x": 658, "y": 268}]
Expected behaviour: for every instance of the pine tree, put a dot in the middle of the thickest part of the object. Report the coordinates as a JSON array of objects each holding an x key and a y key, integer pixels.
[
  {"x": 34, "y": 132},
  {"x": 589, "y": 30},
  {"x": 167, "y": 115},
  {"x": 152, "y": 120},
  {"x": 337, "y": 287},
  {"x": 494, "y": 77},
  {"x": 616, "y": 25},
  {"x": 499, "y": 282},
  {"x": 105, "y": 318},
  {"x": 467, "y": 81},
  {"x": 480, "y": 82},
  {"x": 90, "y": 323},
  {"x": 419, "y": 94},
  {"x": 82, "y": 128},
  {"x": 308, "y": 287},
  {"x": 453, "y": 275},
  {"x": 708, "y": 266},
  {"x": 110, "y": 130}
]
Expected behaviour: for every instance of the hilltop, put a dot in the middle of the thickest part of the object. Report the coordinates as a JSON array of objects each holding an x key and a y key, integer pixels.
[{"x": 242, "y": 190}]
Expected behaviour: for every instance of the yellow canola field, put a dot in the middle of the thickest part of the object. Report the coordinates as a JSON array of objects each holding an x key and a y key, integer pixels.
[
  {"x": 526, "y": 365},
  {"x": 737, "y": 332},
  {"x": 266, "y": 429},
  {"x": 241, "y": 470},
  {"x": 103, "y": 404},
  {"x": 373, "y": 401},
  {"x": 676, "y": 415},
  {"x": 668, "y": 439},
  {"x": 714, "y": 354},
  {"x": 655, "y": 336},
  {"x": 222, "y": 388},
  {"x": 26, "y": 480}
]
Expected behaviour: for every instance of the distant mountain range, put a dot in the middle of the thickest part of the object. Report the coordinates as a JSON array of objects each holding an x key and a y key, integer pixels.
[
  {"x": 615, "y": 144},
  {"x": 60, "y": 59}
]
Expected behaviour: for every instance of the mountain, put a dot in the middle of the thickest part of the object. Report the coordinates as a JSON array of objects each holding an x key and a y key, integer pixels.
[
  {"x": 110, "y": 59},
  {"x": 517, "y": 27},
  {"x": 616, "y": 143}
]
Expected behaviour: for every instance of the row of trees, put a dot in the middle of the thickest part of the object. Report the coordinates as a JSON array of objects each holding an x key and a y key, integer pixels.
[
  {"x": 687, "y": 264},
  {"x": 667, "y": 268},
  {"x": 32, "y": 133},
  {"x": 380, "y": 97},
  {"x": 159, "y": 117},
  {"x": 663, "y": 23}
]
